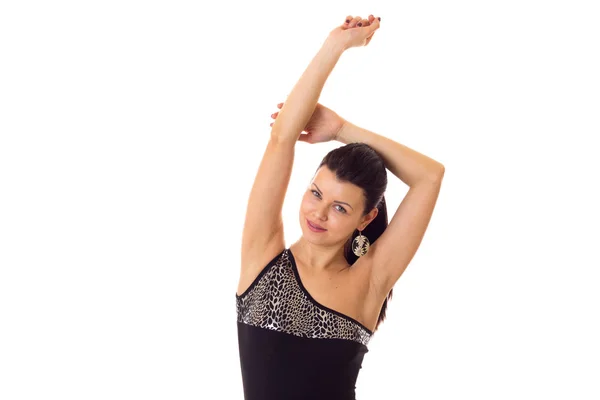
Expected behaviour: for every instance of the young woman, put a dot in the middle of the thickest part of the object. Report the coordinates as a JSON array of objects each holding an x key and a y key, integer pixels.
[{"x": 305, "y": 314}]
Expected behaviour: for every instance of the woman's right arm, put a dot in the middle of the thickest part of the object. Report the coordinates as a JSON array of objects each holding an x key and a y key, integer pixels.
[
  {"x": 262, "y": 237},
  {"x": 301, "y": 102}
]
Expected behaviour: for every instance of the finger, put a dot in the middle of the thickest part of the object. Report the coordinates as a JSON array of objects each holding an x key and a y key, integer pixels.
[
  {"x": 271, "y": 124},
  {"x": 303, "y": 138},
  {"x": 354, "y": 22},
  {"x": 279, "y": 105},
  {"x": 374, "y": 26},
  {"x": 371, "y": 18},
  {"x": 363, "y": 23},
  {"x": 274, "y": 115},
  {"x": 347, "y": 22}
]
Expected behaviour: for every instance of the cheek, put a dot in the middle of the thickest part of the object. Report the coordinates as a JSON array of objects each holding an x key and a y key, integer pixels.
[{"x": 308, "y": 203}]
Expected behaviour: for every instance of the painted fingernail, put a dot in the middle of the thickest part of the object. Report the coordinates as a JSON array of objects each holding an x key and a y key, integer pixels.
[
  {"x": 360, "y": 24},
  {"x": 379, "y": 18},
  {"x": 347, "y": 20}
]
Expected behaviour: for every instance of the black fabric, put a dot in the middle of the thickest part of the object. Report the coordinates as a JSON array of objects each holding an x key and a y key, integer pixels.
[{"x": 290, "y": 346}]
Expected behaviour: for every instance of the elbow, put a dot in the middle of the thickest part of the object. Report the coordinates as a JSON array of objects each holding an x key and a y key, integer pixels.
[{"x": 438, "y": 173}]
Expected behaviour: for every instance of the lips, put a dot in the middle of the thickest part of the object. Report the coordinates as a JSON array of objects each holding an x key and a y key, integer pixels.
[{"x": 315, "y": 225}]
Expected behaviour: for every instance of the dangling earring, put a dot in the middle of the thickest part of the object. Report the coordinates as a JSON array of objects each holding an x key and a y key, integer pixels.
[{"x": 360, "y": 244}]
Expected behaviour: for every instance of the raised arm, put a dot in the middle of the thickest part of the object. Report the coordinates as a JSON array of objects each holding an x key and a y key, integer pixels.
[
  {"x": 262, "y": 237},
  {"x": 301, "y": 102},
  {"x": 395, "y": 248}
]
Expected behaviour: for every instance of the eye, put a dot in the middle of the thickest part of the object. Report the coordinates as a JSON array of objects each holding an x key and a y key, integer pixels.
[{"x": 340, "y": 209}]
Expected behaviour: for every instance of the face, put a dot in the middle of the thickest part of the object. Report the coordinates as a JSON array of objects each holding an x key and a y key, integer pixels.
[{"x": 335, "y": 206}]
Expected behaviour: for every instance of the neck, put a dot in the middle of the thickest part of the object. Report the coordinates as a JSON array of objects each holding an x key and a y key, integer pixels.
[{"x": 320, "y": 258}]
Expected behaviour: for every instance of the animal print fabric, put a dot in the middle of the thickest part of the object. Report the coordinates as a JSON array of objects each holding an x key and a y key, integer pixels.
[{"x": 277, "y": 300}]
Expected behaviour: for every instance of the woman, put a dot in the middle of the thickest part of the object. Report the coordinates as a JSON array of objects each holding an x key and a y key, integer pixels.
[{"x": 306, "y": 313}]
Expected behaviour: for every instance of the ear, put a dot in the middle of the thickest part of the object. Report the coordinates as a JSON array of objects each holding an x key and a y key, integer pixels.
[{"x": 368, "y": 218}]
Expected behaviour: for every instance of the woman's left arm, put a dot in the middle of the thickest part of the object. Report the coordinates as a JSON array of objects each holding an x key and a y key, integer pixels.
[
  {"x": 410, "y": 166},
  {"x": 395, "y": 248}
]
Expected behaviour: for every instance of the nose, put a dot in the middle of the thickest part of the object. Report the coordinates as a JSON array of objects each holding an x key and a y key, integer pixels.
[{"x": 321, "y": 212}]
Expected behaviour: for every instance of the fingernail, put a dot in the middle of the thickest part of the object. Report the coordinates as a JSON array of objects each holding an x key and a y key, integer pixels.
[
  {"x": 347, "y": 20},
  {"x": 379, "y": 18},
  {"x": 360, "y": 24}
]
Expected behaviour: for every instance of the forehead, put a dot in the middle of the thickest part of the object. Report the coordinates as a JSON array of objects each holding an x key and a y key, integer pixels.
[{"x": 331, "y": 187}]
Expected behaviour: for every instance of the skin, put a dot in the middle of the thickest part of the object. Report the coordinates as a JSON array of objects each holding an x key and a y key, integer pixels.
[
  {"x": 324, "y": 251},
  {"x": 358, "y": 291}
]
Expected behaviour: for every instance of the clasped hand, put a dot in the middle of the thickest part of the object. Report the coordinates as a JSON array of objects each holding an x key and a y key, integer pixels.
[{"x": 355, "y": 31}]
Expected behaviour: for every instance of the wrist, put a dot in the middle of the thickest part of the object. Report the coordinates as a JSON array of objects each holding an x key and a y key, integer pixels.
[
  {"x": 334, "y": 46},
  {"x": 342, "y": 134},
  {"x": 350, "y": 133}
]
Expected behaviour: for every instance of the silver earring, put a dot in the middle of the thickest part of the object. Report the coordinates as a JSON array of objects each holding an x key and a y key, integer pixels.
[{"x": 360, "y": 244}]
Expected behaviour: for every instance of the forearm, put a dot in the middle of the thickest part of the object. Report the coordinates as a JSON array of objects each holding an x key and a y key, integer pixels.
[
  {"x": 410, "y": 166},
  {"x": 301, "y": 102}
]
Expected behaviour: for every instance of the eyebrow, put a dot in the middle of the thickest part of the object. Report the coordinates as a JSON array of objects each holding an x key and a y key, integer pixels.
[{"x": 335, "y": 201}]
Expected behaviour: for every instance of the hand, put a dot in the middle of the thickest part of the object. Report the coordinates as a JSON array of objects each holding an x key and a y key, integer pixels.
[
  {"x": 356, "y": 32},
  {"x": 323, "y": 126}
]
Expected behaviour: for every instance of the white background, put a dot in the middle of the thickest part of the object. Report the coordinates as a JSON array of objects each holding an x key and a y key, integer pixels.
[{"x": 131, "y": 133}]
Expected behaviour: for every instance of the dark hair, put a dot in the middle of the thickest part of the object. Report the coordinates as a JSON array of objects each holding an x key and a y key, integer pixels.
[{"x": 360, "y": 164}]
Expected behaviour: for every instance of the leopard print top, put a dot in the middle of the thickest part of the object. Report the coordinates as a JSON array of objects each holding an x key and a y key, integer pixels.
[{"x": 277, "y": 300}]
